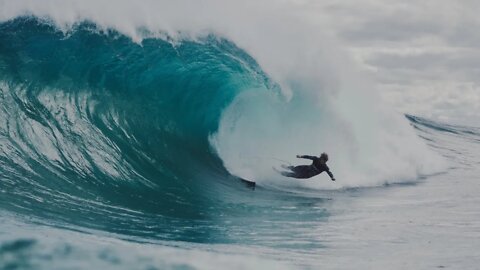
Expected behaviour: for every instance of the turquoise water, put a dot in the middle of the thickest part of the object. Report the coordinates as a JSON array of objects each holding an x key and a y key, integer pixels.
[
  {"x": 117, "y": 127},
  {"x": 107, "y": 161}
]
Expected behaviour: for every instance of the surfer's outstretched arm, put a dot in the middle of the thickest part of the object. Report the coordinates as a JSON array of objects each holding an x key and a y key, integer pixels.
[
  {"x": 331, "y": 175},
  {"x": 306, "y": 157}
]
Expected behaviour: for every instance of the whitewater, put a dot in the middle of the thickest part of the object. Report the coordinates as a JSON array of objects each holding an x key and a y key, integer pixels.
[{"x": 124, "y": 131}]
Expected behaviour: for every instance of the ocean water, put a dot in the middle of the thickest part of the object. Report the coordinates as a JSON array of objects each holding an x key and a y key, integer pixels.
[{"x": 122, "y": 150}]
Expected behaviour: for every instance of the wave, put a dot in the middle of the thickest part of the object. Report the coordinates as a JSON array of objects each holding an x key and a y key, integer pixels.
[
  {"x": 96, "y": 118},
  {"x": 99, "y": 127},
  {"x": 419, "y": 122}
]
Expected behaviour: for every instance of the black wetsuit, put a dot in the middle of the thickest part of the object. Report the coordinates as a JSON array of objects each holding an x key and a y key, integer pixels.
[{"x": 307, "y": 171}]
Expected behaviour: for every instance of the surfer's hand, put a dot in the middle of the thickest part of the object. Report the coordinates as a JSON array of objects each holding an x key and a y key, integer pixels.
[
  {"x": 333, "y": 179},
  {"x": 298, "y": 156}
]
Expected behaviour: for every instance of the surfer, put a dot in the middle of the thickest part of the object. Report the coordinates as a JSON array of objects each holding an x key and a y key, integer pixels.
[{"x": 318, "y": 166}]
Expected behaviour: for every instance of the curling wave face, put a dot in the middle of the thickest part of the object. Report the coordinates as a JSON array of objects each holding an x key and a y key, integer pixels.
[
  {"x": 100, "y": 129},
  {"x": 94, "y": 123}
]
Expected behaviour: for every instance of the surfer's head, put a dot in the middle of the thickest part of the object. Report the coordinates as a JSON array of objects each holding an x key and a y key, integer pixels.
[{"x": 324, "y": 156}]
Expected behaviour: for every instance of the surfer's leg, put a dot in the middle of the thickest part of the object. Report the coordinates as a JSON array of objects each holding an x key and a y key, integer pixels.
[
  {"x": 287, "y": 167},
  {"x": 289, "y": 174},
  {"x": 302, "y": 171}
]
